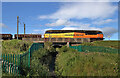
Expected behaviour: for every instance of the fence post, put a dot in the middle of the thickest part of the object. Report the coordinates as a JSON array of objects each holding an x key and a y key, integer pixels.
[
  {"x": 29, "y": 58},
  {"x": 19, "y": 63},
  {"x": 11, "y": 62},
  {"x": 15, "y": 65},
  {"x": 8, "y": 63},
  {"x": 80, "y": 48},
  {"x": 25, "y": 58},
  {"x": 3, "y": 61}
]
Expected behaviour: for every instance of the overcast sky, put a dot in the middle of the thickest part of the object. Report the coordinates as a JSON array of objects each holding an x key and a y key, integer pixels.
[{"x": 42, "y": 16}]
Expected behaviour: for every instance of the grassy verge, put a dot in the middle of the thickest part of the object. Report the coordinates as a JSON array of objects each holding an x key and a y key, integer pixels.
[
  {"x": 112, "y": 44},
  {"x": 73, "y": 63},
  {"x": 15, "y": 46}
]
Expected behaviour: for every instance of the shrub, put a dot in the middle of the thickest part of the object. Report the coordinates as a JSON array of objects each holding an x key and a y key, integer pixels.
[
  {"x": 41, "y": 61},
  {"x": 49, "y": 47},
  {"x": 66, "y": 49},
  {"x": 38, "y": 69},
  {"x": 15, "y": 46},
  {"x": 40, "y": 53},
  {"x": 24, "y": 47}
]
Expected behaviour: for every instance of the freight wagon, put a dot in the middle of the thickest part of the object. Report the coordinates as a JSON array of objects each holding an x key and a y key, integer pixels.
[
  {"x": 20, "y": 36},
  {"x": 6, "y": 36}
]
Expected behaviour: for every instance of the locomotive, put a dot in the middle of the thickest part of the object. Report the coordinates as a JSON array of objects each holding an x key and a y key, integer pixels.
[{"x": 92, "y": 34}]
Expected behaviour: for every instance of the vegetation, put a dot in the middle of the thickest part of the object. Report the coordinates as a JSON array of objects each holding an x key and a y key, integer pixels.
[
  {"x": 68, "y": 61},
  {"x": 72, "y": 63},
  {"x": 38, "y": 65},
  {"x": 112, "y": 44},
  {"x": 42, "y": 60},
  {"x": 15, "y": 46}
]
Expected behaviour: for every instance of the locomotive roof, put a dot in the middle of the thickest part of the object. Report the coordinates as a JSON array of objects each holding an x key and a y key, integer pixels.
[{"x": 61, "y": 31}]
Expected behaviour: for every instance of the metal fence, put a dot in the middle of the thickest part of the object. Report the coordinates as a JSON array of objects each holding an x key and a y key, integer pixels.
[
  {"x": 14, "y": 63},
  {"x": 84, "y": 48},
  {"x": 11, "y": 63}
]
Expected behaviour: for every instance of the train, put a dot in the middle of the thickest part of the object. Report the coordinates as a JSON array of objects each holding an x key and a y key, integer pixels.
[
  {"x": 92, "y": 34},
  {"x": 20, "y": 36}
]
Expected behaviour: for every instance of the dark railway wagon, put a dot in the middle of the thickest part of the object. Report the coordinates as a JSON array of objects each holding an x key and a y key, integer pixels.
[
  {"x": 20, "y": 36},
  {"x": 6, "y": 36}
]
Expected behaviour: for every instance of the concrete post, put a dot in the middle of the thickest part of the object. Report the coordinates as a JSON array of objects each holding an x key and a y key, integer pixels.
[
  {"x": 57, "y": 39},
  {"x": 75, "y": 39},
  {"x": 68, "y": 44},
  {"x": 88, "y": 39},
  {"x": 63, "y": 39},
  {"x": 82, "y": 40}
]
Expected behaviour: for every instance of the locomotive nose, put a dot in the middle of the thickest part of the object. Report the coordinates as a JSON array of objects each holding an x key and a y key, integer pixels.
[{"x": 100, "y": 35}]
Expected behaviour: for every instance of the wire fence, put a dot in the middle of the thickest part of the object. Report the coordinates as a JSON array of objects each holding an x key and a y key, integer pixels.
[{"x": 14, "y": 63}]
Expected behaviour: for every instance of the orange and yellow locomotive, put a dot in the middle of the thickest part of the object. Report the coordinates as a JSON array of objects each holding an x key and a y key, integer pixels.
[{"x": 92, "y": 34}]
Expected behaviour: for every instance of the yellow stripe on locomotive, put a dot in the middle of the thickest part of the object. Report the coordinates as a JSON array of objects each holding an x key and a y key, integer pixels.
[{"x": 59, "y": 35}]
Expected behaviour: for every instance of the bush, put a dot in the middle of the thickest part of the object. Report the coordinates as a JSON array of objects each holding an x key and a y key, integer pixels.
[
  {"x": 40, "y": 53},
  {"x": 66, "y": 49},
  {"x": 15, "y": 46},
  {"x": 49, "y": 47},
  {"x": 38, "y": 69},
  {"x": 40, "y": 63},
  {"x": 24, "y": 47}
]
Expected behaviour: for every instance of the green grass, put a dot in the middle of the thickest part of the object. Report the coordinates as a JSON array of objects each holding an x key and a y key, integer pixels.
[
  {"x": 15, "y": 46},
  {"x": 73, "y": 63},
  {"x": 112, "y": 44}
]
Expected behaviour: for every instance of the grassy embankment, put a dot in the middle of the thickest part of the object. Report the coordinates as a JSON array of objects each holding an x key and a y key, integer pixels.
[
  {"x": 111, "y": 44},
  {"x": 15, "y": 46},
  {"x": 72, "y": 63}
]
